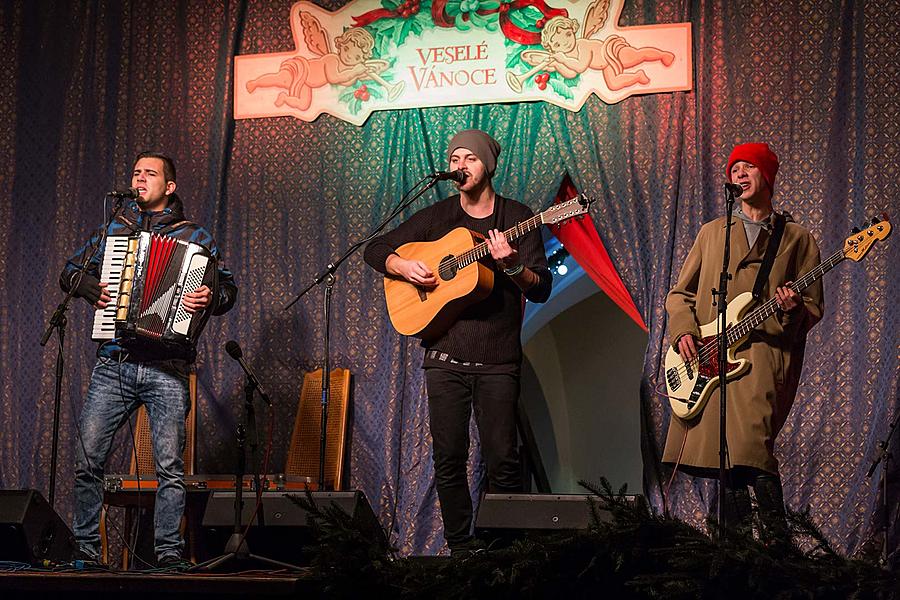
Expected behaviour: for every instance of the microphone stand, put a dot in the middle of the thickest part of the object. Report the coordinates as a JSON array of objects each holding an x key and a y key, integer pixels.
[
  {"x": 253, "y": 434},
  {"x": 884, "y": 454},
  {"x": 327, "y": 277},
  {"x": 58, "y": 322},
  {"x": 720, "y": 301},
  {"x": 237, "y": 548}
]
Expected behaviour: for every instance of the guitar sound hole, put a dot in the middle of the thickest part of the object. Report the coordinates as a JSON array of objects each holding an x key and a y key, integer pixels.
[{"x": 447, "y": 269}]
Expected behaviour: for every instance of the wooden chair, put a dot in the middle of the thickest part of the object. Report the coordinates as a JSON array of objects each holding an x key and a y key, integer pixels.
[
  {"x": 143, "y": 462},
  {"x": 303, "y": 454}
]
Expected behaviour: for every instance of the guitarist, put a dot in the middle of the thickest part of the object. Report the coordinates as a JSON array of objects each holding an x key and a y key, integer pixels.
[
  {"x": 476, "y": 362},
  {"x": 760, "y": 400}
]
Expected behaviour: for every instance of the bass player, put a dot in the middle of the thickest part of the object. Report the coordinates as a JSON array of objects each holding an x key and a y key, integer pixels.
[{"x": 760, "y": 400}]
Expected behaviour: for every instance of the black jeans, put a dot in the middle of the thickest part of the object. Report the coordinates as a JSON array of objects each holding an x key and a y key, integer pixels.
[{"x": 451, "y": 397}]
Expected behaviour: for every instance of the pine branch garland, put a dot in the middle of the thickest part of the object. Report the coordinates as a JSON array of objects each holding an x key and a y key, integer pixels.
[{"x": 627, "y": 552}]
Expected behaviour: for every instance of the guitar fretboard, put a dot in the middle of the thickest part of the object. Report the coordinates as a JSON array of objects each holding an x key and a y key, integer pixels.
[
  {"x": 481, "y": 250},
  {"x": 770, "y": 306}
]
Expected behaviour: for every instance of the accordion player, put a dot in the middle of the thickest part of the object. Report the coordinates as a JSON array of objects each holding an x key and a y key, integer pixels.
[{"x": 148, "y": 275}]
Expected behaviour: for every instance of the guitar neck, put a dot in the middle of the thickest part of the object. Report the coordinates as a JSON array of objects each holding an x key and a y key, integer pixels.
[
  {"x": 512, "y": 234},
  {"x": 770, "y": 306}
]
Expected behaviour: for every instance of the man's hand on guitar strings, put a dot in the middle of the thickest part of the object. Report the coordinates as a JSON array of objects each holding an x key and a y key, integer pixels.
[
  {"x": 413, "y": 271},
  {"x": 687, "y": 347},
  {"x": 786, "y": 298},
  {"x": 505, "y": 255}
]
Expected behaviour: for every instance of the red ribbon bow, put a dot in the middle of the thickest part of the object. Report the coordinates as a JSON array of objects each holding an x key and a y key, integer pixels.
[{"x": 512, "y": 31}]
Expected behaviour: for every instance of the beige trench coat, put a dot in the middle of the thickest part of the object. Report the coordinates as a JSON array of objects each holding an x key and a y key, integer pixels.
[{"x": 758, "y": 401}]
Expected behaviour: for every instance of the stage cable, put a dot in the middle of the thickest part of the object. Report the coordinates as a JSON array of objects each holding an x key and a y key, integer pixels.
[
  {"x": 398, "y": 474},
  {"x": 674, "y": 472}
]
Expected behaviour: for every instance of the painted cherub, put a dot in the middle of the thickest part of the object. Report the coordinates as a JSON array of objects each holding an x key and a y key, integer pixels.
[
  {"x": 569, "y": 55},
  {"x": 299, "y": 75}
]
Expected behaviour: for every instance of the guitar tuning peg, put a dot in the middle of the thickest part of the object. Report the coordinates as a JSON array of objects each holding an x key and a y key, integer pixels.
[
  {"x": 854, "y": 230},
  {"x": 875, "y": 220}
]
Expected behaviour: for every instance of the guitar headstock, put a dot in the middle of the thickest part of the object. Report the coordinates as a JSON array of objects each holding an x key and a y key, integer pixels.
[
  {"x": 857, "y": 245},
  {"x": 573, "y": 207}
]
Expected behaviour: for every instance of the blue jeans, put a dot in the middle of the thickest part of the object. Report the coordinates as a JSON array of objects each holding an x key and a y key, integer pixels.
[{"x": 116, "y": 391}]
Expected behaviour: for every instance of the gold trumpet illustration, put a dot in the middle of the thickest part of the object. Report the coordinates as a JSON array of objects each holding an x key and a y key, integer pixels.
[
  {"x": 516, "y": 82},
  {"x": 393, "y": 89}
]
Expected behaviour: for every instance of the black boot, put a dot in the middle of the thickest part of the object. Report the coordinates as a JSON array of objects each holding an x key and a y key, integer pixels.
[{"x": 770, "y": 499}]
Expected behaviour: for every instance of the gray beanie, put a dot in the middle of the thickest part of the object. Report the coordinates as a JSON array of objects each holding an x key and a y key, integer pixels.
[{"x": 481, "y": 144}]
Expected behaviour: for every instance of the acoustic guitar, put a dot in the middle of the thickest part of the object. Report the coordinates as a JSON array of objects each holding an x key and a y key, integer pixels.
[
  {"x": 462, "y": 281},
  {"x": 690, "y": 384}
]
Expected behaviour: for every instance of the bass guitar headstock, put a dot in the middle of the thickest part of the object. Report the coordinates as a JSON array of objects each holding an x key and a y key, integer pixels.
[{"x": 857, "y": 245}]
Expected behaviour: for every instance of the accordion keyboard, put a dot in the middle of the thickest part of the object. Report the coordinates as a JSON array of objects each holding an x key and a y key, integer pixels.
[{"x": 110, "y": 273}]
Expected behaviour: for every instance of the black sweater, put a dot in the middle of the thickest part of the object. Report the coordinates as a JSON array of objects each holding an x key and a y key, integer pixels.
[{"x": 486, "y": 332}]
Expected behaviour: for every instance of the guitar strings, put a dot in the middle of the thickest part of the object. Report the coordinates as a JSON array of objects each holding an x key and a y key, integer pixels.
[
  {"x": 517, "y": 230},
  {"x": 473, "y": 254}
]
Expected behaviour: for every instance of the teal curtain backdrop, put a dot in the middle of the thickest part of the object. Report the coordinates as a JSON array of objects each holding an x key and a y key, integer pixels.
[{"x": 86, "y": 85}]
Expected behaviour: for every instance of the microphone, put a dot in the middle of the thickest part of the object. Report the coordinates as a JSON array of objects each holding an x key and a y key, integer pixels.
[
  {"x": 234, "y": 351},
  {"x": 735, "y": 189},
  {"x": 129, "y": 193},
  {"x": 458, "y": 176}
]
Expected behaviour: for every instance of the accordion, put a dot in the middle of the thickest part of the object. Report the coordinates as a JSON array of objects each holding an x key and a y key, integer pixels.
[{"x": 147, "y": 276}]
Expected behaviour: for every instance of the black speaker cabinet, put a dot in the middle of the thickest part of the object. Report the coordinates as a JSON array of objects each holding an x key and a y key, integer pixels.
[
  {"x": 536, "y": 512},
  {"x": 285, "y": 529},
  {"x": 31, "y": 531}
]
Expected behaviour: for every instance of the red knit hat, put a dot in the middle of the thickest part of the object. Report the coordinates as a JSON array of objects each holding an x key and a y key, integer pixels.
[{"x": 760, "y": 157}]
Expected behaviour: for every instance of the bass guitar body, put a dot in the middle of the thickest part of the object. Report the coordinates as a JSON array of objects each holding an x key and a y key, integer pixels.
[{"x": 691, "y": 384}]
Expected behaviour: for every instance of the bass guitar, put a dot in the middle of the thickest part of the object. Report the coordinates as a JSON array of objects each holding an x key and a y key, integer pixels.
[{"x": 690, "y": 384}]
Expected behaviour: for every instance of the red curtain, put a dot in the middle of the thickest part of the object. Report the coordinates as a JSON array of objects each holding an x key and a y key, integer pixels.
[{"x": 580, "y": 238}]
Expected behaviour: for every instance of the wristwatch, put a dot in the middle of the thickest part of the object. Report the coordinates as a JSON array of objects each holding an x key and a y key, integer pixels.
[{"x": 515, "y": 270}]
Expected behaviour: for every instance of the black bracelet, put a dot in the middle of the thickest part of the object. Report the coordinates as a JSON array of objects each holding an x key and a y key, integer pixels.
[{"x": 515, "y": 270}]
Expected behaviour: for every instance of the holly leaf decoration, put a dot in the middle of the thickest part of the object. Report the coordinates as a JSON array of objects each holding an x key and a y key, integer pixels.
[
  {"x": 392, "y": 31},
  {"x": 560, "y": 88}
]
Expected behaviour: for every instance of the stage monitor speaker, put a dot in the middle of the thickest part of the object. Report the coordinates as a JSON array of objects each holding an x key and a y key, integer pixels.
[
  {"x": 537, "y": 512},
  {"x": 286, "y": 529},
  {"x": 31, "y": 531}
]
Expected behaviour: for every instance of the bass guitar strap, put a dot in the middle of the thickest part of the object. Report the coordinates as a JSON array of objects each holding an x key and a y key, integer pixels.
[{"x": 771, "y": 250}]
